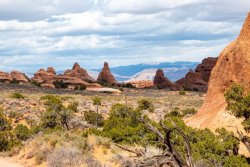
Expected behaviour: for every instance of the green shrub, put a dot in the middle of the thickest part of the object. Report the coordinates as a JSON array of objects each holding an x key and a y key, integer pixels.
[
  {"x": 17, "y": 96},
  {"x": 127, "y": 85},
  {"x": 174, "y": 113},
  {"x": 7, "y": 139},
  {"x": 60, "y": 84},
  {"x": 239, "y": 104},
  {"x": 15, "y": 115},
  {"x": 57, "y": 114},
  {"x": 14, "y": 81},
  {"x": 73, "y": 106},
  {"x": 188, "y": 111},
  {"x": 4, "y": 122},
  {"x": 145, "y": 104},
  {"x": 182, "y": 92},
  {"x": 80, "y": 87},
  {"x": 94, "y": 118},
  {"x": 122, "y": 126},
  {"x": 36, "y": 83},
  {"x": 22, "y": 132}
]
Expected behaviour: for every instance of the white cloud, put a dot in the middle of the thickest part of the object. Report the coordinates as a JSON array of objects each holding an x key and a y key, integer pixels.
[{"x": 121, "y": 32}]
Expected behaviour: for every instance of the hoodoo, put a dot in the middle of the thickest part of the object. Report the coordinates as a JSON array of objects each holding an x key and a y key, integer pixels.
[
  {"x": 106, "y": 76},
  {"x": 233, "y": 66},
  {"x": 162, "y": 82}
]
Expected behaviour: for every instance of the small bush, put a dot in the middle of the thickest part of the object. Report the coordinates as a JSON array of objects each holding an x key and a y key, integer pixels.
[
  {"x": 239, "y": 104},
  {"x": 17, "y": 96},
  {"x": 145, "y": 104},
  {"x": 22, "y": 132},
  {"x": 65, "y": 157},
  {"x": 188, "y": 111},
  {"x": 94, "y": 118},
  {"x": 60, "y": 84},
  {"x": 15, "y": 115},
  {"x": 36, "y": 83},
  {"x": 174, "y": 113},
  {"x": 14, "y": 81},
  {"x": 182, "y": 92},
  {"x": 73, "y": 106},
  {"x": 127, "y": 85},
  {"x": 80, "y": 87}
]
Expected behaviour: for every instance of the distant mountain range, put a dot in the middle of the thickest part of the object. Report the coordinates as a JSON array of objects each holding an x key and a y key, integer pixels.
[{"x": 173, "y": 70}]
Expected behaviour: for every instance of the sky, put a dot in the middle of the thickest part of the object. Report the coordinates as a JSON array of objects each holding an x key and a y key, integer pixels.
[{"x": 37, "y": 34}]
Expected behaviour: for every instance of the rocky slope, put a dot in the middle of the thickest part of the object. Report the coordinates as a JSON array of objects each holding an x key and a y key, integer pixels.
[{"x": 233, "y": 65}]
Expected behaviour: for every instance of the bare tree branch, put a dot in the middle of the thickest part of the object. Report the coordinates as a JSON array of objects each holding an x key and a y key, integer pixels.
[{"x": 244, "y": 139}]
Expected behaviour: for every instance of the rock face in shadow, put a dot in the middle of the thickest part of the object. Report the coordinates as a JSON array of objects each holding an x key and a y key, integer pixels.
[
  {"x": 198, "y": 80},
  {"x": 233, "y": 66},
  {"x": 105, "y": 76},
  {"x": 205, "y": 68},
  {"x": 79, "y": 72},
  {"x": 162, "y": 82}
]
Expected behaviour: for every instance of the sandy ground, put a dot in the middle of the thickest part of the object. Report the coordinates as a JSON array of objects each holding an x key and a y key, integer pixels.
[{"x": 7, "y": 162}]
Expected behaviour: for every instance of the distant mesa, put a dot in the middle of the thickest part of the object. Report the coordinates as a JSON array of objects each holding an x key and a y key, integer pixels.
[
  {"x": 233, "y": 66},
  {"x": 198, "y": 80},
  {"x": 162, "y": 82},
  {"x": 105, "y": 76}
]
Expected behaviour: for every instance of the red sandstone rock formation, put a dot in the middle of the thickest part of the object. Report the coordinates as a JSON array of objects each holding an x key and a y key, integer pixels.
[
  {"x": 233, "y": 65},
  {"x": 206, "y": 67},
  {"x": 79, "y": 72},
  {"x": 51, "y": 70},
  {"x": 44, "y": 77},
  {"x": 198, "y": 80},
  {"x": 72, "y": 78},
  {"x": 5, "y": 77},
  {"x": 106, "y": 76},
  {"x": 19, "y": 77},
  {"x": 162, "y": 82}
]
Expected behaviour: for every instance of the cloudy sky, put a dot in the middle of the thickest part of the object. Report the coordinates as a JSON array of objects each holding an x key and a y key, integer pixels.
[{"x": 57, "y": 33}]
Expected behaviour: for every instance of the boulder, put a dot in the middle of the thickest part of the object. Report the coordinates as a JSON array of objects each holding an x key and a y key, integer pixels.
[
  {"x": 5, "y": 77},
  {"x": 162, "y": 82},
  {"x": 106, "y": 76},
  {"x": 19, "y": 77}
]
